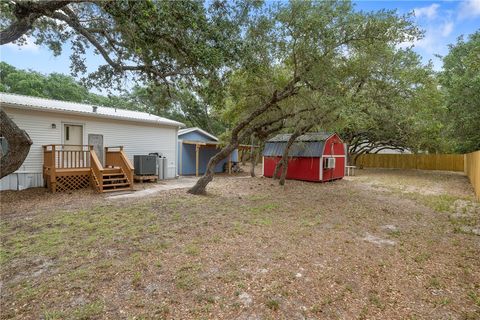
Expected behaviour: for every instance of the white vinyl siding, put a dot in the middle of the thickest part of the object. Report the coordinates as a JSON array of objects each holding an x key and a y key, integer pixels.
[{"x": 136, "y": 137}]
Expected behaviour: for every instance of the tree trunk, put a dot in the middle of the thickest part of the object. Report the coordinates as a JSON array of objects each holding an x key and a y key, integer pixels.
[
  {"x": 358, "y": 154},
  {"x": 18, "y": 145},
  {"x": 277, "y": 168},
  {"x": 201, "y": 185},
  {"x": 252, "y": 157},
  {"x": 283, "y": 175},
  {"x": 284, "y": 159},
  {"x": 355, "y": 158},
  {"x": 253, "y": 163}
]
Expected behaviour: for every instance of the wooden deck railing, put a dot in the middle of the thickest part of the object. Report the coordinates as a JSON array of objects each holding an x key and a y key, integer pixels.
[
  {"x": 66, "y": 156},
  {"x": 116, "y": 157}
]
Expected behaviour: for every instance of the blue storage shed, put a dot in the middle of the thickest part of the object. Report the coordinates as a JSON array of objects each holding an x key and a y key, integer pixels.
[{"x": 195, "y": 148}]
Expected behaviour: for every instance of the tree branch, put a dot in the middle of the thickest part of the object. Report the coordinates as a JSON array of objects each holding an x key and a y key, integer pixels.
[{"x": 26, "y": 13}]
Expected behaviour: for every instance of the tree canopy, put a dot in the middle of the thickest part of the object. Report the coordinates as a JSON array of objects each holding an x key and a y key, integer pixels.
[
  {"x": 159, "y": 41},
  {"x": 54, "y": 86},
  {"x": 395, "y": 104},
  {"x": 460, "y": 82}
]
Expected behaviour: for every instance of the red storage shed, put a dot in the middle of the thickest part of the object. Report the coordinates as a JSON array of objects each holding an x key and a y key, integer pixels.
[{"x": 315, "y": 156}]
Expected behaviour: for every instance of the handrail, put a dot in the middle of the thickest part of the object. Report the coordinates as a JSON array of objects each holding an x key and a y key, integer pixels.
[
  {"x": 67, "y": 145},
  {"x": 119, "y": 158},
  {"x": 95, "y": 159},
  {"x": 60, "y": 147},
  {"x": 97, "y": 169},
  {"x": 126, "y": 160},
  {"x": 129, "y": 165}
]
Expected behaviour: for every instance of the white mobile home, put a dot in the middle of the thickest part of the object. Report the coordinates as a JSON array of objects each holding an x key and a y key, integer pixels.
[{"x": 50, "y": 122}]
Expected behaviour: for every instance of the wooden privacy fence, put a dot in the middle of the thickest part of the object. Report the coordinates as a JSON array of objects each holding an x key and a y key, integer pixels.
[
  {"x": 468, "y": 163},
  {"x": 472, "y": 170},
  {"x": 448, "y": 162}
]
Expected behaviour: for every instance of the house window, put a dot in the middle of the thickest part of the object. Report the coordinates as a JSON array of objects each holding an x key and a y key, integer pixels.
[{"x": 67, "y": 133}]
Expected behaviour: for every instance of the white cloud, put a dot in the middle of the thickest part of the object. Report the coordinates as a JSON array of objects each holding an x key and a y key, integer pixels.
[
  {"x": 430, "y": 12},
  {"x": 431, "y": 43},
  {"x": 469, "y": 9},
  {"x": 447, "y": 28},
  {"x": 427, "y": 43},
  {"x": 27, "y": 43}
]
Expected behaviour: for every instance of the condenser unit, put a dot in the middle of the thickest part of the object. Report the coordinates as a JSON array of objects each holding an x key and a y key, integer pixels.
[
  {"x": 145, "y": 165},
  {"x": 329, "y": 163}
]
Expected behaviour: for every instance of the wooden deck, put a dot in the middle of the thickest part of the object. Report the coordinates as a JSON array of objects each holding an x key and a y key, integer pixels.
[{"x": 73, "y": 167}]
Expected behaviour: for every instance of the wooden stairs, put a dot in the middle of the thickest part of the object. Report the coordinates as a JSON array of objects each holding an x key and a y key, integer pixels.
[{"x": 114, "y": 179}]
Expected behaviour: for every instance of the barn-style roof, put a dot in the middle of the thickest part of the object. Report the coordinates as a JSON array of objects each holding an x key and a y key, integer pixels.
[
  {"x": 309, "y": 136},
  {"x": 307, "y": 145}
]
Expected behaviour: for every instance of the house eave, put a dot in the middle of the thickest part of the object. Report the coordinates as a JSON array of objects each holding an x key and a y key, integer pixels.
[{"x": 171, "y": 123}]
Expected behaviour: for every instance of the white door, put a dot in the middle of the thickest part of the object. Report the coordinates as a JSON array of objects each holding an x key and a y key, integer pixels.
[
  {"x": 73, "y": 155},
  {"x": 73, "y": 135}
]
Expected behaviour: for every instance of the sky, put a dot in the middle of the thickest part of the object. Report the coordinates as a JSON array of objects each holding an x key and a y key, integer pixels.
[{"x": 442, "y": 21}]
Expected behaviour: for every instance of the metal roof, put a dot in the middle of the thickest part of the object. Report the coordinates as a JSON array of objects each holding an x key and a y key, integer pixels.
[
  {"x": 188, "y": 130},
  {"x": 308, "y": 145},
  {"x": 298, "y": 149},
  {"x": 28, "y": 102},
  {"x": 307, "y": 137}
]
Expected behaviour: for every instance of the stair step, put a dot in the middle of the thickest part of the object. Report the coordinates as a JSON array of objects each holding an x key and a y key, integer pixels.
[
  {"x": 114, "y": 174},
  {"x": 116, "y": 169},
  {"x": 118, "y": 189},
  {"x": 116, "y": 184},
  {"x": 115, "y": 179}
]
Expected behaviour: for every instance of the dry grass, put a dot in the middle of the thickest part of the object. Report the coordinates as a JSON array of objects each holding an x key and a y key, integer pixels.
[{"x": 387, "y": 244}]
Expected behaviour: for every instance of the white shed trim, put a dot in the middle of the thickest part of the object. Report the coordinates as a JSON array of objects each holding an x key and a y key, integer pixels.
[{"x": 188, "y": 130}]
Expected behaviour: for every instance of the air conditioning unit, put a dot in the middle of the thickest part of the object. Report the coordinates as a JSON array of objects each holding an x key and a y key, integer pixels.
[
  {"x": 145, "y": 165},
  {"x": 329, "y": 163}
]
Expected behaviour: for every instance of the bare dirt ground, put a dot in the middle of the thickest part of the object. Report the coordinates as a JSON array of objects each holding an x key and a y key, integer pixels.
[{"x": 385, "y": 244}]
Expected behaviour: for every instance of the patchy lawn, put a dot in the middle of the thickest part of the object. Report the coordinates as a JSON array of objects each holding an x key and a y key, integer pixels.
[{"x": 386, "y": 244}]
